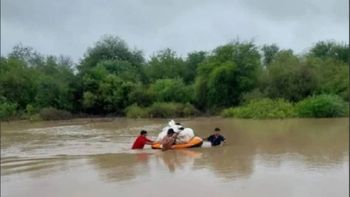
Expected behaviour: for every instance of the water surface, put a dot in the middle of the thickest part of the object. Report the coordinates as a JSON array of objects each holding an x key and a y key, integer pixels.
[{"x": 92, "y": 157}]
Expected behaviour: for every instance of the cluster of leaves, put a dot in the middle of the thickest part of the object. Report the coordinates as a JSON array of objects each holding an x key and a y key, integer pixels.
[
  {"x": 319, "y": 106},
  {"x": 111, "y": 78},
  {"x": 161, "y": 110},
  {"x": 31, "y": 81},
  {"x": 322, "y": 106},
  {"x": 226, "y": 74},
  {"x": 262, "y": 109}
]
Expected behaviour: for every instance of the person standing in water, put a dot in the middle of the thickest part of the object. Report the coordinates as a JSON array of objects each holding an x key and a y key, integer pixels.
[
  {"x": 216, "y": 138},
  {"x": 169, "y": 140},
  {"x": 141, "y": 141}
]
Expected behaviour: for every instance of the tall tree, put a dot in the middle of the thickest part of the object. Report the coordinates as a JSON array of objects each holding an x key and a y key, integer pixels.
[
  {"x": 165, "y": 65},
  {"x": 269, "y": 52},
  {"x": 230, "y": 71},
  {"x": 331, "y": 49}
]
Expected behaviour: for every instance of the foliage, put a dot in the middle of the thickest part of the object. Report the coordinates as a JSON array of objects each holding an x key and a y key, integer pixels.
[
  {"x": 30, "y": 78},
  {"x": 290, "y": 78},
  {"x": 17, "y": 83},
  {"x": 191, "y": 65},
  {"x": 333, "y": 76},
  {"x": 322, "y": 106},
  {"x": 262, "y": 109},
  {"x": 30, "y": 110},
  {"x": 110, "y": 94},
  {"x": 51, "y": 113},
  {"x": 161, "y": 110},
  {"x": 331, "y": 50},
  {"x": 171, "y": 90},
  {"x": 141, "y": 95},
  {"x": 230, "y": 71},
  {"x": 269, "y": 52},
  {"x": 165, "y": 65},
  {"x": 7, "y": 110},
  {"x": 167, "y": 110},
  {"x": 134, "y": 111},
  {"x": 113, "y": 49},
  {"x": 252, "y": 95},
  {"x": 111, "y": 78}
]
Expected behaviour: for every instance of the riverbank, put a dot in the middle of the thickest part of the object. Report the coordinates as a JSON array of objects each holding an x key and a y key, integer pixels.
[
  {"x": 107, "y": 82},
  {"x": 320, "y": 106}
]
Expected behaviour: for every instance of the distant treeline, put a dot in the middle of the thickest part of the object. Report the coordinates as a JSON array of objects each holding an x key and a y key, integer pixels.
[{"x": 112, "y": 79}]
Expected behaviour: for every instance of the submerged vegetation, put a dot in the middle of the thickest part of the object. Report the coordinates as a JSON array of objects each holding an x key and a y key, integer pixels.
[{"x": 238, "y": 79}]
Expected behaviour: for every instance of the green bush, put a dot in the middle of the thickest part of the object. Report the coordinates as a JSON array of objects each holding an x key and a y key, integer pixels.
[
  {"x": 161, "y": 110},
  {"x": 51, "y": 113},
  {"x": 30, "y": 110},
  {"x": 7, "y": 110},
  {"x": 134, "y": 111},
  {"x": 164, "y": 110},
  {"x": 262, "y": 109},
  {"x": 171, "y": 90},
  {"x": 322, "y": 106},
  {"x": 188, "y": 110}
]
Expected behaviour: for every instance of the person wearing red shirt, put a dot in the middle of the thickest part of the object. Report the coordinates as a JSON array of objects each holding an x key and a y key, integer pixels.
[{"x": 141, "y": 140}]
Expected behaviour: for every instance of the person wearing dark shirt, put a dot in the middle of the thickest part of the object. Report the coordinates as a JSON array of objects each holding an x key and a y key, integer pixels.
[
  {"x": 215, "y": 139},
  {"x": 141, "y": 140}
]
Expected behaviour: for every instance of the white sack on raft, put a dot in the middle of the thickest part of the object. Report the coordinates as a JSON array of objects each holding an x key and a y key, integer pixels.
[{"x": 185, "y": 136}]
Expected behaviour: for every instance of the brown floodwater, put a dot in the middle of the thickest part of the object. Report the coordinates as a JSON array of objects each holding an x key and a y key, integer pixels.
[{"x": 92, "y": 157}]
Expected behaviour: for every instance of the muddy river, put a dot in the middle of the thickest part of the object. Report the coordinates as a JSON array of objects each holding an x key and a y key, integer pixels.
[{"x": 92, "y": 157}]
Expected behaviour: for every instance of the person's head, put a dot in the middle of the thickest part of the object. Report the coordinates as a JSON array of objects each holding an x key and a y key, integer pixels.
[
  {"x": 143, "y": 132},
  {"x": 217, "y": 131},
  {"x": 170, "y": 132}
]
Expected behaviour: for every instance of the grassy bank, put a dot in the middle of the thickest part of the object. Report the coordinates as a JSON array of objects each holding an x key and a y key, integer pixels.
[
  {"x": 156, "y": 110},
  {"x": 161, "y": 110},
  {"x": 321, "y": 106}
]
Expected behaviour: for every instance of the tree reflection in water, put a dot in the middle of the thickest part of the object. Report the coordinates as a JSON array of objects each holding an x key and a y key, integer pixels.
[{"x": 178, "y": 159}]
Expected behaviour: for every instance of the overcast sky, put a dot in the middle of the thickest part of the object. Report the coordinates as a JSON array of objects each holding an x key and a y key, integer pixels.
[{"x": 68, "y": 27}]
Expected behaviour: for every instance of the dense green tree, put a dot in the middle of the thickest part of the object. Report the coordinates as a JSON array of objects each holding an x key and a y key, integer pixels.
[
  {"x": 107, "y": 74},
  {"x": 228, "y": 72},
  {"x": 171, "y": 90},
  {"x": 27, "y": 55},
  {"x": 53, "y": 83},
  {"x": 333, "y": 76},
  {"x": 141, "y": 95},
  {"x": 104, "y": 92},
  {"x": 165, "y": 65},
  {"x": 290, "y": 78},
  {"x": 110, "y": 77},
  {"x": 110, "y": 48},
  {"x": 110, "y": 94},
  {"x": 28, "y": 78},
  {"x": 269, "y": 52},
  {"x": 191, "y": 65},
  {"x": 331, "y": 49},
  {"x": 17, "y": 82},
  {"x": 7, "y": 109}
]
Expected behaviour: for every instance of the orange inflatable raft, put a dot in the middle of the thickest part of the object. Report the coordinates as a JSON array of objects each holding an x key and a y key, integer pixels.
[{"x": 194, "y": 142}]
